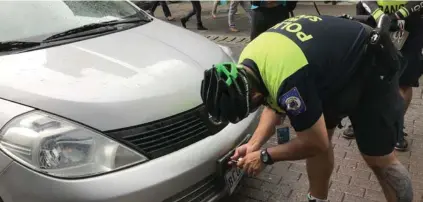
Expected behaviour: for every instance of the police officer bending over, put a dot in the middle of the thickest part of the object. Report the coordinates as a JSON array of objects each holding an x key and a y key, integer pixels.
[{"x": 316, "y": 70}]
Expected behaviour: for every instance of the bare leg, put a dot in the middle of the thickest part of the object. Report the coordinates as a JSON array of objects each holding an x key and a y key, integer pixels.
[
  {"x": 319, "y": 170},
  {"x": 215, "y": 4},
  {"x": 392, "y": 176},
  {"x": 407, "y": 94},
  {"x": 246, "y": 5}
]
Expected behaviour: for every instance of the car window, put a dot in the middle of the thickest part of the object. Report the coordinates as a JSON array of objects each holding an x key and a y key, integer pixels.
[{"x": 21, "y": 20}]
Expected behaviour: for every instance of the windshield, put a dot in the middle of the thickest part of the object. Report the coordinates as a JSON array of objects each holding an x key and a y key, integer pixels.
[{"x": 32, "y": 20}]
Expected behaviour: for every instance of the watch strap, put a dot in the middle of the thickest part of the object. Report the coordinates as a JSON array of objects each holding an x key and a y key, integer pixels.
[{"x": 268, "y": 160}]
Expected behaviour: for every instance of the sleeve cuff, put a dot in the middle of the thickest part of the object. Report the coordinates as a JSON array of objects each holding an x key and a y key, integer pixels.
[
  {"x": 306, "y": 123},
  {"x": 248, "y": 62},
  {"x": 402, "y": 13},
  {"x": 377, "y": 13}
]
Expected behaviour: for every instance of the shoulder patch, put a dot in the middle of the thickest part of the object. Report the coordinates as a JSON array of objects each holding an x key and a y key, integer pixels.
[{"x": 292, "y": 102}]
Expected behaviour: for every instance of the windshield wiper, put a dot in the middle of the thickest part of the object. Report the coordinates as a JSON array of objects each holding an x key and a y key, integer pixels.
[
  {"x": 17, "y": 45},
  {"x": 109, "y": 26},
  {"x": 125, "y": 20}
]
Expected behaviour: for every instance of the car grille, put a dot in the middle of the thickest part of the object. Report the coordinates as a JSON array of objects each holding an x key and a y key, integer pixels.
[
  {"x": 168, "y": 135},
  {"x": 199, "y": 192}
]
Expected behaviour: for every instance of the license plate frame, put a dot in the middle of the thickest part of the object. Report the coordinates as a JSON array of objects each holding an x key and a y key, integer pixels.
[{"x": 230, "y": 175}]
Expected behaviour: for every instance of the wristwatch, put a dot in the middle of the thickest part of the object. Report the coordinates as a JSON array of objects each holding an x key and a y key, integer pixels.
[{"x": 265, "y": 157}]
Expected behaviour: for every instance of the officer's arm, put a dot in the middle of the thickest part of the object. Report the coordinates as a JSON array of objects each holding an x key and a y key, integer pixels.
[
  {"x": 265, "y": 128},
  {"x": 409, "y": 8},
  {"x": 373, "y": 8},
  {"x": 300, "y": 99},
  {"x": 308, "y": 143}
]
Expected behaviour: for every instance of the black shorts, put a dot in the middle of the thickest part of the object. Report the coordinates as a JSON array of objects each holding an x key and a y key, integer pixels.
[
  {"x": 412, "y": 52},
  {"x": 376, "y": 117}
]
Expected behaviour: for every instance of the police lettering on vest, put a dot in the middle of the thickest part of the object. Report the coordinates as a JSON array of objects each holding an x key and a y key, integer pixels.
[{"x": 291, "y": 25}]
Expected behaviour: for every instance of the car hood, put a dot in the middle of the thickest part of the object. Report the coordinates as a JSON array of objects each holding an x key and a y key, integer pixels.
[{"x": 113, "y": 81}]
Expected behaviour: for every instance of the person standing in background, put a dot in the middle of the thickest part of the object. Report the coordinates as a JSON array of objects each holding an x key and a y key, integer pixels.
[
  {"x": 265, "y": 14},
  {"x": 233, "y": 8},
  {"x": 409, "y": 12},
  {"x": 196, "y": 10},
  {"x": 165, "y": 8}
]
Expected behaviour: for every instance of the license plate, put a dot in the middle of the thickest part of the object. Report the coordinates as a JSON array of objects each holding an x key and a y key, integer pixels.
[
  {"x": 232, "y": 178},
  {"x": 399, "y": 37},
  {"x": 230, "y": 175}
]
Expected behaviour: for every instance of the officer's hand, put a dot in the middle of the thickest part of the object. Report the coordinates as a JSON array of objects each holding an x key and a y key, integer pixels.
[
  {"x": 251, "y": 164},
  {"x": 242, "y": 151}
]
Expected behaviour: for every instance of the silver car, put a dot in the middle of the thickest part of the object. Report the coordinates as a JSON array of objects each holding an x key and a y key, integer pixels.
[{"x": 100, "y": 102}]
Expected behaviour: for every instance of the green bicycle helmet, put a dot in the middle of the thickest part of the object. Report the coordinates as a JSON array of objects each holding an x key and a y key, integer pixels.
[{"x": 225, "y": 92}]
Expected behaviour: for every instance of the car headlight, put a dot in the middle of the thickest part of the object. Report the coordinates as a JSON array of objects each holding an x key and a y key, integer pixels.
[
  {"x": 228, "y": 51},
  {"x": 61, "y": 148}
]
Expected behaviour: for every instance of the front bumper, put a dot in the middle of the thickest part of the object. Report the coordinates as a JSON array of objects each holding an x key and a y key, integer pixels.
[{"x": 164, "y": 178}]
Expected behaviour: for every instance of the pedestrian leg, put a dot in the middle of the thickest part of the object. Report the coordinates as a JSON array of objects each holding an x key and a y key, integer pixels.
[
  {"x": 153, "y": 7},
  {"x": 197, "y": 7},
  {"x": 409, "y": 79},
  {"x": 233, "y": 8},
  {"x": 276, "y": 15},
  {"x": 258, "y": 25},
  {"x": 214, "y": 10},
  {"x": 166, "y": 10},
  {"x": 246, "y": 5},
  {"x": 265, "y": 18},
  {"x": 185, "y": 19}
]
